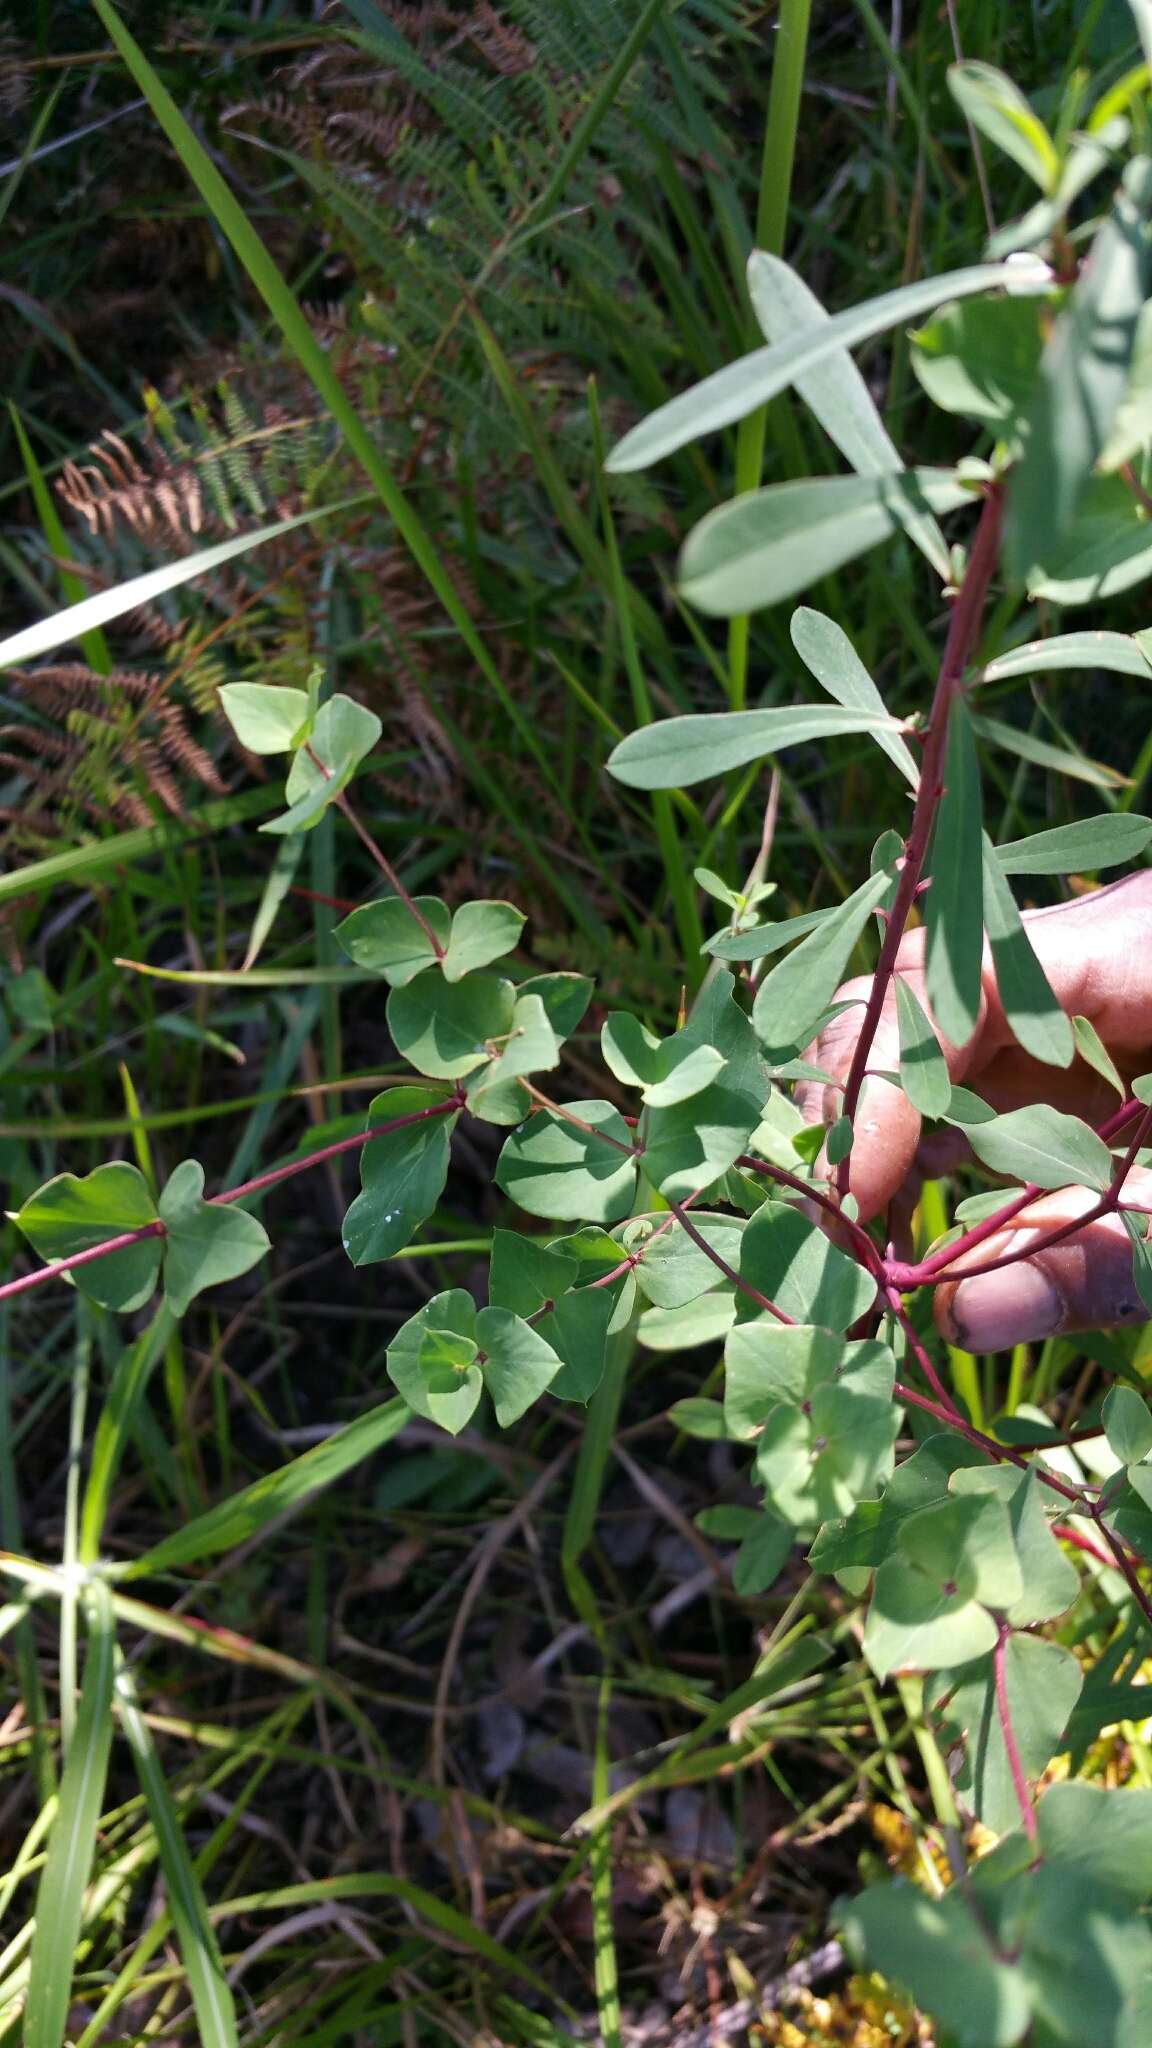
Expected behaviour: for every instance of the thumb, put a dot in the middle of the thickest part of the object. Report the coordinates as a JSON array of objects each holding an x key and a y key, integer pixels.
[{"x": 1086, "y": 1282}]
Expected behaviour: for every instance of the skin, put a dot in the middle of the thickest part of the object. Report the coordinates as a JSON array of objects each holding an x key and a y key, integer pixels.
[{"x": 1097, "y": 954}]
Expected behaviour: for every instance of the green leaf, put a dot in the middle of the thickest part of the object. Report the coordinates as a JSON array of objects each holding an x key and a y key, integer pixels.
[
  {"x": 1049, "y": 1580},
  {"x": 819, "y": 1459},
  {"x": 762, "y": 1556},
  {"x": 240, "y": 1518},
  {"x": 701, "y": 1322},
  {"x": 834, "y": 390},
  {"x": 768, "y": 1364},
  {"x": 69, "y": 1215},
  {"x": 207, "y": 1242},
  {"x": 1043, "y": 1686},
  {"x": 792, "y": 997},
  {"x": 1083, "y": 379},
  {"x": 532, "y": 1047},
  {"x": 1127, "y": 1424},
  {"x": 565, "y": 998},
  {"x": 402, "y": 1176},
  {"x": 700, "y": 1418},
  {"x": 1093, "y": 1051},
  {"x": 941, "y": 1951},
  {"x": 524, "y": 1273},
  {"x": 1034, "y": 1016},
  {"x": 714, "y": 886},
  {"x": 666, "y": 1071},
  {"x": 923, "y": 1070},
  {"x": 768, "y": 544},
  {"x": 953, "y": 911},
  {"x": 431, "y": 1360},
  {"x": 481, "y": 933},
  {"x": 518, "y": 1362},
  {"x": 745, "y": 385},
  {"x": 674, "y": 752},
  {"x": 1106, "y": 549},
  {"x": 553, "y": 1167},
  {"x": 765, "y": 938},
  {"x": 930, "y": 1601},
  {"x": 1119, "y": 652},
  {"x": 1137, "y": 1228},
  {"x": 72, "y": 1842},
  {"x": 675, "y": 1270},
  {"x": 579, "y": 1329},
  {"x": 1042, "y": 754},
  {"x": 827, "y": 652},
  {"x": 343, "y": 733},
  {"x": 789, "y": 1259},
  {"x": 1000, "y": 111},
  {"x": 266, "y": 718},
  {"x": 1099, "y": 1838},
  {"x": 385, "y": 937},
  {"x": 448, "y": 1029},
  {"x": 870, "y": 1532},
  {"x": 981, "y": 359},
  {"x": 1043, "y": 1146},
  {"x": 689, "y": 1145},
  {"x": 1081, "y": 848}
]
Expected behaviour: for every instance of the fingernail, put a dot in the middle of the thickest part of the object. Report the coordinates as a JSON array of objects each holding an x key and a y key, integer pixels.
[{"x": 994, "y": 1311}]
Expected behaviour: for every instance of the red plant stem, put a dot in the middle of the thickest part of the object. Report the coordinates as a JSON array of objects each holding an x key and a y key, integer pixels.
[
  {"x": 923, "y": 1358},
  {"x": 1011, "y": 1750},
  {"x": 567, "y": 1116},
  {"x": 1079, "y": 1542},
  {"x": 963, "y": 631},
  {"x": 248, "y": 1187},
  {"x": 745, "y": 1286},
  {"x": 928, "y": 1271},
  {"x": 868, "y": 1253}
]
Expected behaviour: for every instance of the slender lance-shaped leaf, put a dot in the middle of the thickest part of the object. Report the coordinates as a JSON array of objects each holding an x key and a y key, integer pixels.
[
  {"x": 835, "y": 391},
  {"x": 1083, "y": 378},
  {"x": 60, "y": 1895},
  {"x": 768, "y": 544},
  {"x": 1042, "y": 754},
  {"x": 953, "y": 910},
  {"x": 78, "y": 619},
  {"x": 1120, "y": 652},
  {"x": 199, "y": 1950},
  {"x": 924, "y": 1073},
  {"x": 792, "y": 998},
  {"x": 752, "y": 380},
  {"x": 243, "y": 1516},
  {"x": 1091, "y": 843},
  {"x": 677, "y": 751},
  {"x": 1035, "y": 1017},
  {"x": 825, "y": 649}
]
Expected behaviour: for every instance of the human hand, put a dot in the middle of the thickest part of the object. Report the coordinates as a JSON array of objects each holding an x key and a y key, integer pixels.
[{"x": 1097, "y": 954}]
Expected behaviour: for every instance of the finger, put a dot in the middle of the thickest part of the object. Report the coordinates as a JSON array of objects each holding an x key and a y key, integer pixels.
[
  {"x": 1097, "y": 954},
  {"x": 887, "y": 1127},
  {"x": 1086, "y": 1282}
]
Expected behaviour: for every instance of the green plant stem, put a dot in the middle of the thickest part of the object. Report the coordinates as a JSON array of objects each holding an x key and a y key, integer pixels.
[{"x": 771, "y": 223}]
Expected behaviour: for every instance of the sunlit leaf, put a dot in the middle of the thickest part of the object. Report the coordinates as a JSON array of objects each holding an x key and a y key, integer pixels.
[
  {"x": 1104, "y": 842},
  {"x": 826, "y": 650},
  {"x": 792, "y": 997},
  {"x": 674, "y": 752},
  {"x": 1043, "y": 1146},
  {"x": 206, "y": 1242},
  {"x": 769, "y": 544},
  {"x": 69, "y": 1215},
  {"x": 387, "y": 937}
]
